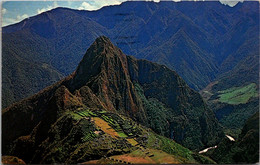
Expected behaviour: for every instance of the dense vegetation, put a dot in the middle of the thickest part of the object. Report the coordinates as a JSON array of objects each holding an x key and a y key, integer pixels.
[
  {"x": 233, "y": 106},
  {"x": 238, "y": 95},
  {"x": 245, "y": 149}
]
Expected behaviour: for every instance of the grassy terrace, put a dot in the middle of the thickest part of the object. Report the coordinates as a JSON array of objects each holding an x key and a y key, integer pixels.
[
  {"x": 238, "y": 95},
  {"x": 142, "y": 144},
  {"x": 108, "y": 123},
  {"x": 103, "y": 125}
]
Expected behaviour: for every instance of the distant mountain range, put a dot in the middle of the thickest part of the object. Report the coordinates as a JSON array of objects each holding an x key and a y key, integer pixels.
[
  {"x": 201, "y": 41},
  {"x": 110, "y": 106}
]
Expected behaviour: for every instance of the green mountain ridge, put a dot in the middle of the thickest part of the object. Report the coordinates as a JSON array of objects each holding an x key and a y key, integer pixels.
[
  {"x": 232, "y": 106},
  {"x": 104, "y": 108}
]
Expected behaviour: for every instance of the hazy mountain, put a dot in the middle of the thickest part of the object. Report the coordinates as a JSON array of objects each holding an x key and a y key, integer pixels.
[
  {"x": 235, "y": 94},
  {"x": 201, "y": 46},
  {"x": 43, "y": 41},
  {"x": 97, "y": 110}
]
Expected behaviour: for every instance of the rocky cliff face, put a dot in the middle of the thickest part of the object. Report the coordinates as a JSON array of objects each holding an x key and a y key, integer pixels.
[
  {"x": 106, "y": 79},
  {"x": 104, "y": 70}
]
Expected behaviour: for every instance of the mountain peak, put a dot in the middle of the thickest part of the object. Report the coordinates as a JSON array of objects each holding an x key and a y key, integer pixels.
[
  {"x": 102, "y": 56},
  {"x": 104, "y": 70},
  {"x": 102, "y": 46},
  {"x": 103, "y": 39}
]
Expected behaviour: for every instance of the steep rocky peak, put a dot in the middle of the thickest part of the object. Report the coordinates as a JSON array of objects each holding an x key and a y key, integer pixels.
[
  {"x": 102, "y": 56},
  {"x": 102, "y": 43},
  {"x": 102, "y": 46},
  {"x": 103, "y": 75}
]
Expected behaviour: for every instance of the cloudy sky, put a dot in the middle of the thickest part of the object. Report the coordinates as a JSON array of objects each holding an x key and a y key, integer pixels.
[{"x": 16, "y": 11}]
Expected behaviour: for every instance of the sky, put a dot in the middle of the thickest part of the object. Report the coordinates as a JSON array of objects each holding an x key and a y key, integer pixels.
[{"x": 16, "y": 11}]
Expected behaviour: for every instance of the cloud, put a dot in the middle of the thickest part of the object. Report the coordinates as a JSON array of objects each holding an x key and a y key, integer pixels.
[
  {"x": 153, "y": 1},
  {"x": 4, "y": 10},
  {"x": 8, "y": 21},
  {"x": 21, "y": 17},
  {"x": 87, "y": 6},
  {"x": 230, "y": 3},
  {"x": 95, "y": 5},
  {"x": 54, "y": 5}
]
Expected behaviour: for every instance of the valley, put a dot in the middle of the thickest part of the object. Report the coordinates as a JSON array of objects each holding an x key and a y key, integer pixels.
[{"x": 232, "y": 106}]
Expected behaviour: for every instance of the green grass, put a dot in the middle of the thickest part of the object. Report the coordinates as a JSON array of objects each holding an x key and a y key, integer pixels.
[
  {"x": 89, "y": 136},
  {"x": 84, "y": 113},
  {"x": 122, "y": 134},
  {"x": 180, "y": 153},
  {"x": 171, "y": 147},
  {"x": 238, "y": 95},
  {"x": 113, "y": 123}
]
